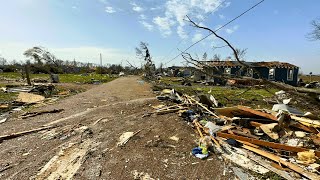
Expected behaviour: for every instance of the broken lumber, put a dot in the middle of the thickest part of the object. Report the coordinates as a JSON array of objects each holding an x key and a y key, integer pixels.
[
  {"x": 303, "y": 127},
  {"x": 258, "y": 113},
  {"x": 306, "y": 121},
  {"x": 18, "y": 134},
  {"x": 32, "y": 114},
  {"x": 267, "y": 165},
  {"x": 266, "y": 143},
  {"x": 205, "y": 108},
  {"x": 275, "y": 158},
  {"x": 255, "y": 124},
  {"x": 198, "y": 128}
]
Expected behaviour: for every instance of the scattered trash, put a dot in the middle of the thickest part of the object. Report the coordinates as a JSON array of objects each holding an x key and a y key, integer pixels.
[
  {"x": 235, "y": 132},
  {"x": 307, "y": 157},
  {"x": 174, "y": 138},
  {"x": 125, "y": 137}
]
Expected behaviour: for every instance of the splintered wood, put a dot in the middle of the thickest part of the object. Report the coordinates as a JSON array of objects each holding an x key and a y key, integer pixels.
[{"x": 66, "y": 163}]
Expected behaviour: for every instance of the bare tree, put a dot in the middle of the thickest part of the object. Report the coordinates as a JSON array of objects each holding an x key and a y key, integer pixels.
[
  {"x": 315, "y": 33},
  {"x": 204, "y": 56},
  {"x": 241, "y": 53},
  {"x": 234, "y": 50},
  {"x": 216, "y": 57}
]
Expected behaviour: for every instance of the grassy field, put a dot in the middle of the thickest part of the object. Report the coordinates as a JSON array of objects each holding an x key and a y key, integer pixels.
[
  {"x": 228, "y": 96},
  {"x": 64, "y": 78},
  {"x": 306, "y": 78}
]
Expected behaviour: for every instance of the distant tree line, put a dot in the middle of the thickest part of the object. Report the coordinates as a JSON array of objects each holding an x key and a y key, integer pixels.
[
  {"x": 39, "y": 60},
  {"x": 65, "y": 67}
]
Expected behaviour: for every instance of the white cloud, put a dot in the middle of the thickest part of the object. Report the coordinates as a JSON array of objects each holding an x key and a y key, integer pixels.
[
  {"x": 181, "y": 32},
  {"x": 136, "y": 8},
  {"x": 110, "y": 10},
  {"x": 200, "y": 17},
  {"x": 74, "y": 7},
  {"x": 142, "y": 16},
  {"x": 221, "y": 16},
  {"x": 176, "y": 11},
  {"x": 155, "y": 8},
  {"x": 147, "y": 25},
  {"x": 197, "y": 37},
  {"x": 164, "y": 25},
  {"x": 232, "y": 29},
  {"x": 103, "y": 1}
]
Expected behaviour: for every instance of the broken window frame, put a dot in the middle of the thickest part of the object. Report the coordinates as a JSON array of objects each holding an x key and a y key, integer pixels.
[
  {"x": 249, "y": 72},
  {"x": 227, "y": 70},
  {"x": 290, "y": 76},
  {"x": 272, "y": 76}
]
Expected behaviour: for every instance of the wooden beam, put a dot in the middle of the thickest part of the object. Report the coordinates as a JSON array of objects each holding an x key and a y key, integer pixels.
[
  {"x": 255, "y": 124},
  {"x": 266, "y": 143},
  {"x": 275, "y": 158},
  {"x": 313, "y": 123},
  {"x": 258, "y": 113},
  {"x": 303, "y": 127},
  {"x": 22, "y": 133},
  {"x": 268, "y": 165}
]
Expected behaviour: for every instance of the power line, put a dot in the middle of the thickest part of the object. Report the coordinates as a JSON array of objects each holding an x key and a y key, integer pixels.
[
  {"x": 191, "y": 30},
  {"x": 215, "y": 31}
]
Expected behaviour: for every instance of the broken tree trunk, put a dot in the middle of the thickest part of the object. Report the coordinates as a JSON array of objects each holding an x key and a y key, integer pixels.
[{"x": 27, "y": 69}]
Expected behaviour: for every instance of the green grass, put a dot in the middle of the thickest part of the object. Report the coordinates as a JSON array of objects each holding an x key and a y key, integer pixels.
[
  {"x": 64, "y": 78},
  {"x": 7, "y": 97},
  {"x": 306, "y": 78},
  {"x": 228, "y": 96}
]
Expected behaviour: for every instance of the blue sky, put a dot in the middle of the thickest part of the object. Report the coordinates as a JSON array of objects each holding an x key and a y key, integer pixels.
[{"x": 81, "y": 29}]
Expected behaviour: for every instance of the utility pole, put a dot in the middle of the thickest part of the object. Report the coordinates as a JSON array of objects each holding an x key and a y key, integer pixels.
[{"x": 100, "y": 67}]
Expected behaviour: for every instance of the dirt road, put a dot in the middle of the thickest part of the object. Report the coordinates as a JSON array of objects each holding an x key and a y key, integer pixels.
[{"x": 83, "y": 145}]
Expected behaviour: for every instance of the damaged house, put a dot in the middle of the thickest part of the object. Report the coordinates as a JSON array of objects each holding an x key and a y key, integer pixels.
[{"x": 273, "y": 71}]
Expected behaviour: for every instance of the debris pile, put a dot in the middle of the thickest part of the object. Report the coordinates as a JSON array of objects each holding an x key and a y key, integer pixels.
[{"x": 283, "y": 140}]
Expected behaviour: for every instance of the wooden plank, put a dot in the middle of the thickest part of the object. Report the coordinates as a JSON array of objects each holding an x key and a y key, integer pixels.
[
  {"x": 303, "y": 127},
  {"x": 18, "y": 134},
  {"x": 244, "y": 134},
  {"x": 249, "y": 144},
  {"x": 198, "y": 128},
  {"x": 255, "y": 124},
  {"x": 205, "y": 108},
  {"x": 169, "y": 110},
  {"x": 275, "y": 158},
  {"x": 313, "y": 123},
  {"x": 266, "y": 143},
  {"x": 268, "y": 165},
  {"x": 258, "y": 113}
]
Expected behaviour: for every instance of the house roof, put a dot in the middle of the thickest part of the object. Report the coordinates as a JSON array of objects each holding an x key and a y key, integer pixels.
[{"x": 253, "y": 64}]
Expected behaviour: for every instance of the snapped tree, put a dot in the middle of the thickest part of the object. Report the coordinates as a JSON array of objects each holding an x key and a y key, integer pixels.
[
  {"x": 142, "y": 52},
  {"x": 41, "y": 56}
]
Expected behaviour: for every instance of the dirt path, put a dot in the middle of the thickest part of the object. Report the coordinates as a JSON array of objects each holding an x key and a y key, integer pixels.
[{"x": 84, "y": 143}]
